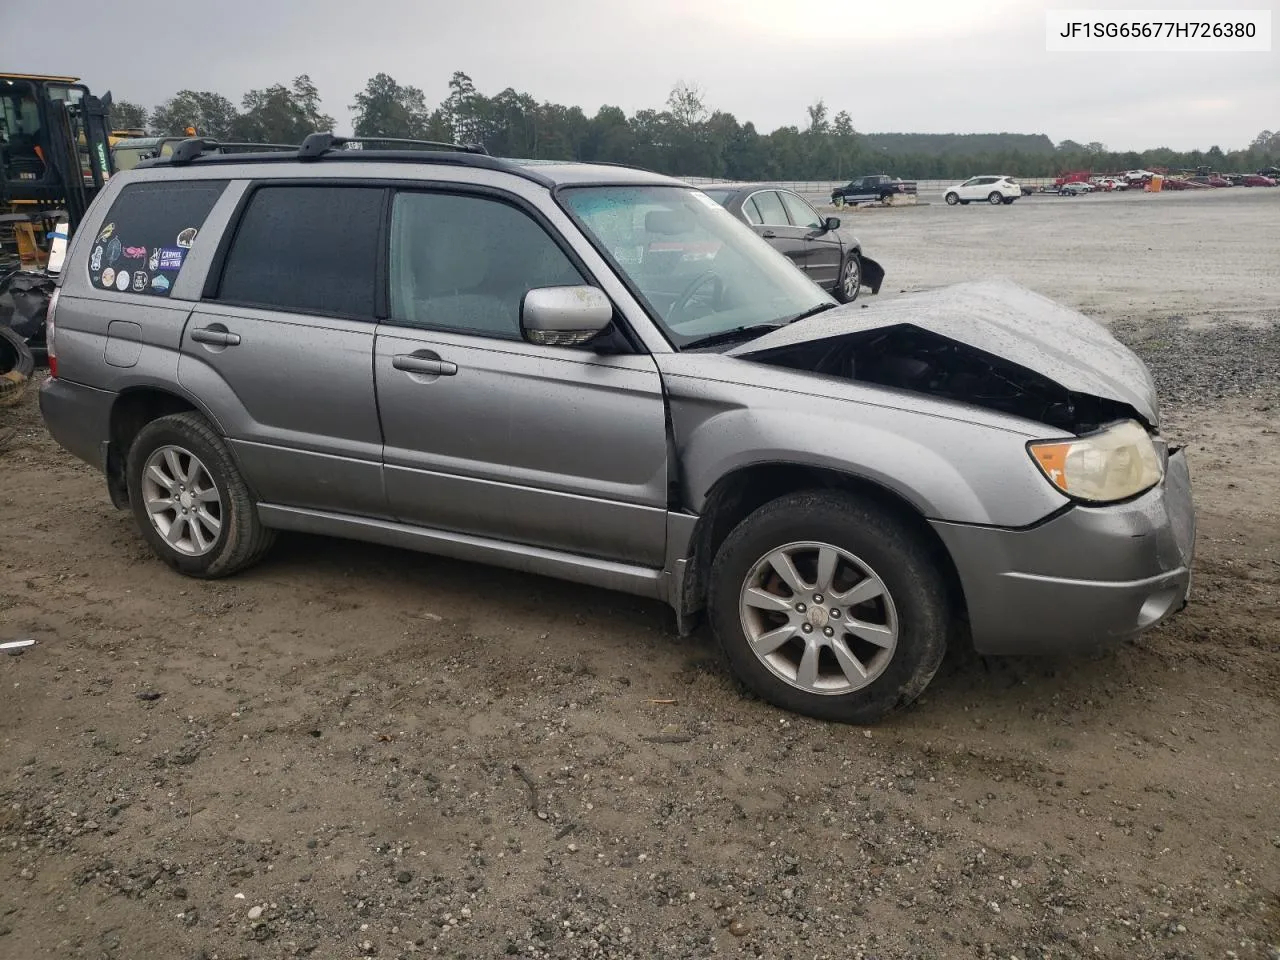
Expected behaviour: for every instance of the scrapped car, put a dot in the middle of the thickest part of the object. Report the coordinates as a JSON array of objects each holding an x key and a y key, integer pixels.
[
  {"x": 512, "y": 363},
  {"x": 829, "y": 257},
  {"x": 878, "y": 188},
  {"x": 994, "y": 190},
  {"x": 1256, "y": 180},
  {"x": 1210, "y": 180},
  {"x": 1075, "y": 188}
]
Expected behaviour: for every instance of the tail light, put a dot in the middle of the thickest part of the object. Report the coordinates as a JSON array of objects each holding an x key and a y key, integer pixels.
[{"x": 50, "y": 340}]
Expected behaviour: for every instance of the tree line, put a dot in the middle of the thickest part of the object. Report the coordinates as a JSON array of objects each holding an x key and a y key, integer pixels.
[{"x": 685, "y": 138}]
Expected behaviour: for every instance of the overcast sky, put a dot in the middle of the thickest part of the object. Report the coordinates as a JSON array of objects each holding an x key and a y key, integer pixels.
[{"x": 933, "y": 66}]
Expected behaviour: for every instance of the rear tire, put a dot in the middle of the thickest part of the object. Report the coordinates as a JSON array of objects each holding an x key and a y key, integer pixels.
[
  {"x": 190, "y": 503},
  {"x": 883, "y": 599},
  {"x": 952, "y": 199},
  {"x": 995, "y": 199}
]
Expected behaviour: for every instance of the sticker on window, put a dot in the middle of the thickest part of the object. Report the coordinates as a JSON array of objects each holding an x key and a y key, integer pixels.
[{"x": 143, "y": 246}]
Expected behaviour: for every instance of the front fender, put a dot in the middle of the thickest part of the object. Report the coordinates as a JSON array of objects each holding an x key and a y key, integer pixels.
[{"x": 946, "y": 467}]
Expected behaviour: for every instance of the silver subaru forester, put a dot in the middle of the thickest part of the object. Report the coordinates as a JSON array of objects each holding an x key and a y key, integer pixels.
[{"x": 596, "y": 373}]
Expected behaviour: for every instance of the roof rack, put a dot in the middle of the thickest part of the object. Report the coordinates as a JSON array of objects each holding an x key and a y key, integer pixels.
[
  {"x": 327, "y": 147},
  {"x": 318, "y": 144},
  {"x": 193, "y": 147}
]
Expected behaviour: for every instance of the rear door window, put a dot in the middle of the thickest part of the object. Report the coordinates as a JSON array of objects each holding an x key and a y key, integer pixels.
[
  {"x": 146, "y": 236},
  {"x": 305, "y": 249}
]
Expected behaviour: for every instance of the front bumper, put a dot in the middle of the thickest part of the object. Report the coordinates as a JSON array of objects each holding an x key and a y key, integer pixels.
[{"x": 1089, "y": 576}]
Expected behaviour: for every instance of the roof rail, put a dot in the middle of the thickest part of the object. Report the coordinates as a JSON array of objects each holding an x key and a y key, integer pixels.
[
  {"x": 318, "y": 144},
  {"x": 193, "y": 147},
  {"x": 321, "y": 147}
]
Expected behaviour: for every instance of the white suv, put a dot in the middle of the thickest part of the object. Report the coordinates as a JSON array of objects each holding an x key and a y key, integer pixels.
[{"x": 994, "y": 190}]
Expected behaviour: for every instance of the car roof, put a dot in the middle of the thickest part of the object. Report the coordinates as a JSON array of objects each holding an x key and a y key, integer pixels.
[{"x": 393, "y": 163}]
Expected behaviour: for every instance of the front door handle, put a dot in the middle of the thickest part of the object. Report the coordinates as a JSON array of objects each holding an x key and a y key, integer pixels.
[
  {"x": 768, "y": 234},
  {"x": 215, "y": 337},
  {"x": 410, "y": 363}
]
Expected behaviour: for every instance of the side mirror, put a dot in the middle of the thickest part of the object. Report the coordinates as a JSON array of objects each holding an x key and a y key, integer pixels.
[
  {"x": 564, "y": 316},
  {"x": 832, "y": 223}
]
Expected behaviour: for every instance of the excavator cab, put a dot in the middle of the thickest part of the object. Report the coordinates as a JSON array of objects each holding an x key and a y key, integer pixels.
[{"x": 54, "y": 157}]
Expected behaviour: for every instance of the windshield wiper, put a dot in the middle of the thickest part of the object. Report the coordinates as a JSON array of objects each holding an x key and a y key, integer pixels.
[
  {"x": 755, "y": 330},
  {"x": 812, "y": 312},
  {"x": 731, "y": 336}
]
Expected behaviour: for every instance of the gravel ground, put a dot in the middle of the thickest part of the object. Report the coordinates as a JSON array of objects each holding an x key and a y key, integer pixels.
[{"x": 354, "y": 751}]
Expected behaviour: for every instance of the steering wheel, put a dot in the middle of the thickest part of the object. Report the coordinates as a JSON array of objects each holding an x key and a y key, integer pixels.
[{"x": 694, "y": 285}]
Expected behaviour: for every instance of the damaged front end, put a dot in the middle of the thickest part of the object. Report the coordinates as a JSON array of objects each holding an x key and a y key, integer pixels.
[{"x": 993, "y": 344}]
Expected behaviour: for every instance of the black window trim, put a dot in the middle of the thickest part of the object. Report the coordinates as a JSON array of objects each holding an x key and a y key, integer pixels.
[{"x": 217, "y": 268}]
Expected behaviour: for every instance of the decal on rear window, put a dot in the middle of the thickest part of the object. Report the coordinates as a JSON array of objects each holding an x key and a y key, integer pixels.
[{"x": 149, "y": 232}]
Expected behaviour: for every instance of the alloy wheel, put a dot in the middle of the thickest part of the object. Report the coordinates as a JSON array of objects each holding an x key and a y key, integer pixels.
[
  {"x": 182, "y": 501},
  {"x": 852, "y": 278},
  {"x": 819, "y": 618}
]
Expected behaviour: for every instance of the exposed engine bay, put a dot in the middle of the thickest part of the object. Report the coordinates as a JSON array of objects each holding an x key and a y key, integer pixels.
[{"x": 910, "y": 358}]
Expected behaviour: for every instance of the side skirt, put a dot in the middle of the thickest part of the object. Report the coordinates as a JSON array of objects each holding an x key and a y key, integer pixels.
[{"x": 607, "y": 574}]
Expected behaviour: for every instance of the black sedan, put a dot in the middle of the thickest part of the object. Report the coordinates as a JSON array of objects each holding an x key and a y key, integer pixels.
[{"x": 815, "y": 244}]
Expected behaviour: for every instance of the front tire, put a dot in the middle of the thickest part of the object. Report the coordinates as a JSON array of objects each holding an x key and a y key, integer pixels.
[
  {"x": 952, "y": 199},
  {"x": 850, "y": 281},
  {"x": 828, "y": 607},
  {"x": 190, "y": 503}
]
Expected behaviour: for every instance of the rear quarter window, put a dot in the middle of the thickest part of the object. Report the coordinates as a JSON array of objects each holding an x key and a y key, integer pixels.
[{"x": 147, "y": 234}]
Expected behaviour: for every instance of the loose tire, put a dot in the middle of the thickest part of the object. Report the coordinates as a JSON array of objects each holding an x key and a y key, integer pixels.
[
  {"x": 995, "y": 199},
  {"x": 190, "y": 503},
  {"x": 850, "y": 280},
  {"x": 952, "y": 199},
  {"x": 850, "y": 626}
]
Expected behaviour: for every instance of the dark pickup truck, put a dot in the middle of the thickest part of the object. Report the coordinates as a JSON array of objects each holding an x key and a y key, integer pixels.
[{"x": 874, "y": 189}]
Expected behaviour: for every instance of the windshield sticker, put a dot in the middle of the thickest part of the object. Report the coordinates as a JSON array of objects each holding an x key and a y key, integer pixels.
[
  {"x": 122, "y": 281},
  {"x": 160, "y": 283},
  {"x": 106, "y": 233},
  {"x": 95, "y": 259},
  {"x": 187, "y": 237},
  {"x": 108, "y": 277},
  {"x": 154, "y": 262},
  {"x": 135, "y": 253},
  {"x": 171, "y": 258},
  {"x": 113, "y": 250},
  {"x": 140, "y": 279}
]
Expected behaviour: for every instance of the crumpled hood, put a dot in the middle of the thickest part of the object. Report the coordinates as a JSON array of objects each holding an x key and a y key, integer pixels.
[{"x": 1001, "y": 318}]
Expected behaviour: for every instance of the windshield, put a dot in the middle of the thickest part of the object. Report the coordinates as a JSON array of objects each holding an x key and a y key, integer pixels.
[{"x": 700, "y": 271}]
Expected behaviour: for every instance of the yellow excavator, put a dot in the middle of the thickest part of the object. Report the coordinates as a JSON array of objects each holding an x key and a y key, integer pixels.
[{"x": 55, "y": 155}]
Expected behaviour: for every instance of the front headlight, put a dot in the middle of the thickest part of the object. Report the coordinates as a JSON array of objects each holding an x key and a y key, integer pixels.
[{"x": 1113, "y": 464}]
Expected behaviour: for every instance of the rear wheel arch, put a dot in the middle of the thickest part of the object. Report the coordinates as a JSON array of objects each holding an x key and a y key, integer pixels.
[
  {"x": 741, "y": 492},
  {"x": 132, "y": 410}
]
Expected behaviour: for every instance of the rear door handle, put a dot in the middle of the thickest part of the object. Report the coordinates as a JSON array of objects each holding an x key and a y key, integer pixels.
[
  {"x": 411, "y": 364},
  {"x": 217, "y": 338},
  {"x": 768, "y": 234}
]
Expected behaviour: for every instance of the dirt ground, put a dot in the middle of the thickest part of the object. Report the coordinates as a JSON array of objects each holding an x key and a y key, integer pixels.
[{"x": 354, "y": 751}]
